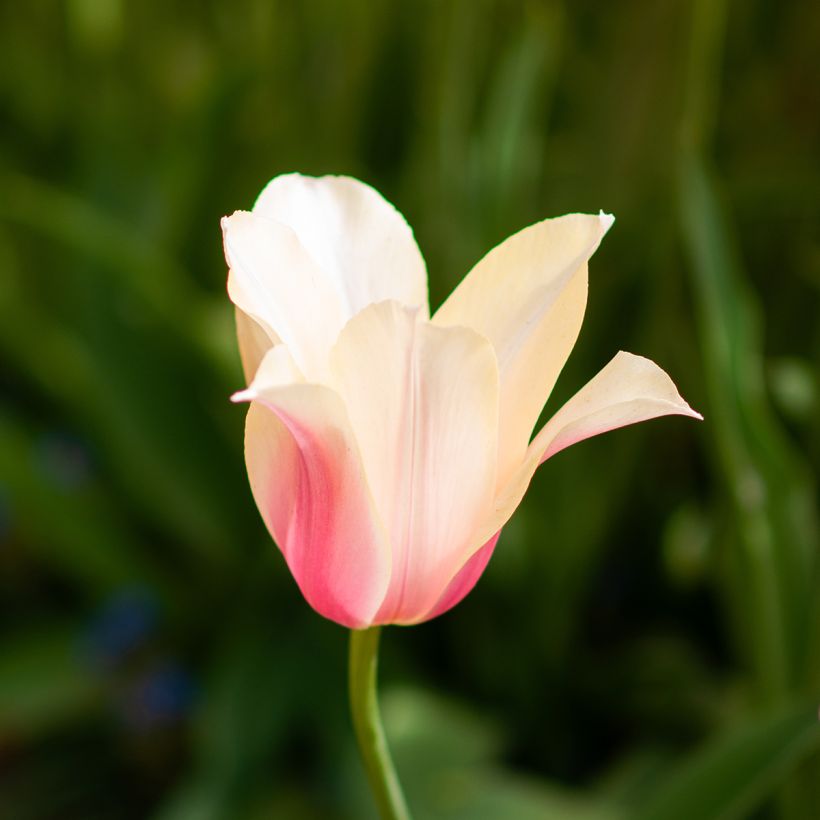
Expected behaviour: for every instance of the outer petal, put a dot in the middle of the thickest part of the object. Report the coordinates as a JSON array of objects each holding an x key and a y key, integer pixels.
[
  {"x": 423, "y": 402},
  {"x": 308, "y": 482},
  {"x": 528, "y": 297},
  {"x": 358, "y": 238},
  {"x": 628, "y": 390},
  {"x": 277, "y": 283}
]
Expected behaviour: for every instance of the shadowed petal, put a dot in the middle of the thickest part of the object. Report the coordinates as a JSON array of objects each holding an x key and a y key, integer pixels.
[{"x": 254, "y": 342}]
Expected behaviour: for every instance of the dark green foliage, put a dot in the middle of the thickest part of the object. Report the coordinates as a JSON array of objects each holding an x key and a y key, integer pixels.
[{"x": 645, "y": 641}]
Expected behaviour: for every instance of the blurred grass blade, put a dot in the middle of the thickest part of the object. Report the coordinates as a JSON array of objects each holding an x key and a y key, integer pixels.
[
  {"x": 773, "y": 578},
  {"x": 160, "y": 283},
  {"x": 731, "y": 776},
  {"x": 138, "y": 415},
  {"x": 509, "y": 161},
  {"x": 769, "y": 487}
]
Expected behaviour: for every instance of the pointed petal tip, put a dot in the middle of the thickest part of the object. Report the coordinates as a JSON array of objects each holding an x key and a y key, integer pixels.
[
  {"x": 226, "y": 223},
  {"x": 228, "y": 220},
  {"x": 683, "y": 409},
  {"x": 248, "y": 394},
  {"x": 606, "y": 220},
  {"x": 642, "y": 362}
]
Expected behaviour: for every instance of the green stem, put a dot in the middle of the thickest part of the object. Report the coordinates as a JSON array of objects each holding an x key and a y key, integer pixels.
[{"x": 364, "y": 708}]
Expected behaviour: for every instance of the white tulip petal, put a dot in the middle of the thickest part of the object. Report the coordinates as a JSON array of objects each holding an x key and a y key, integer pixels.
[
  {"x": 528, "y": 297},
  {"x": 423, "y": 405},
  {"x": 360, "y": 240},
  {"x": 275, "y": 281},
  {"x": 628, "y": 390},
  {"x": 386, "y": 451},
  {"x": 308, "y": 482}
]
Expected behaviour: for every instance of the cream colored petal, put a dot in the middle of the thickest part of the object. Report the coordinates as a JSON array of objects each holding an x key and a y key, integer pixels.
[
  {"x": 628, "y": 390},
  {"x": 254, "y": 342},
  {"x": 358, "y": 238},
  {"x": 528, "y": 297},
  {"x": 423, "y": 403},
  {"x": 307, "y": 479},
  {"x": 276, "y": 282}
]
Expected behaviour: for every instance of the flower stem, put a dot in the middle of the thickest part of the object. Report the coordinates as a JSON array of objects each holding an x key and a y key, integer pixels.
[{"x": 364, "y": 708}]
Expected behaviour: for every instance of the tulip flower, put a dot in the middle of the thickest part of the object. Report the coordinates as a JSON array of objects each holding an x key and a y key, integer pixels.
[{"x": 386, "y": 449}]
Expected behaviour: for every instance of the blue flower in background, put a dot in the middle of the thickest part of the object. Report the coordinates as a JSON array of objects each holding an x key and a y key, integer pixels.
[
  {"x": 161, "y": 696},
  {"x": 123, "y": 624}
]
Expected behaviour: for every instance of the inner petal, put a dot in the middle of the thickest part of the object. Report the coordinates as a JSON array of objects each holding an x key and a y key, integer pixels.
[{"x": 423, "y": 402}]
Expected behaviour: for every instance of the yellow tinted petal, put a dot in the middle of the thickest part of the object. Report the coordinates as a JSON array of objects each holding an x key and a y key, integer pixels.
[
  {"x": 628, "y": 390},
  {"x": 528, "y": 297}
]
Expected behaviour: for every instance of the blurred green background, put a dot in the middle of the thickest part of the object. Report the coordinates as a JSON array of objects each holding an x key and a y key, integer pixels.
[{"x": 645, "y": 643}]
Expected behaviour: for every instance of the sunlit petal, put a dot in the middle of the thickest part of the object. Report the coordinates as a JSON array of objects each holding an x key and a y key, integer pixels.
[
  {"x": 423, "y": 405},
  {"x": 357, "y": 237},
  {"x": 276, "y": 282},
  {"x": 528, "y": 297},
  {"x": 385, "y": 450}
]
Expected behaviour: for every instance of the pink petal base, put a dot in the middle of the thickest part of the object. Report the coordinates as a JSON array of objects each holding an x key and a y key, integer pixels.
[
  {"x": 465, "y": 579},
  {"x": 306, "y": 481}
]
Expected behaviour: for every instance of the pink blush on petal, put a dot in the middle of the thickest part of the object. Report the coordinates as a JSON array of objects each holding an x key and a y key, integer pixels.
[
  {"x": 306, "y": 480},
  {"x": 465, "y": 579}
]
